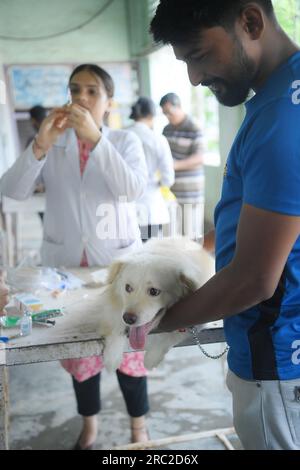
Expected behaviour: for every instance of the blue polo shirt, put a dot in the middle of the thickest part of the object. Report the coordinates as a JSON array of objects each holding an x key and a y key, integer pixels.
[{"x": 263, "y": 170}]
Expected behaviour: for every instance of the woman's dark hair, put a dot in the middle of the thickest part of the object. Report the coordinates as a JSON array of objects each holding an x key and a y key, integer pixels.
[
  {"x": 144, "y": 107},
  {"x": 101, "y": 73},
  {"x": 178, "y": 21}
]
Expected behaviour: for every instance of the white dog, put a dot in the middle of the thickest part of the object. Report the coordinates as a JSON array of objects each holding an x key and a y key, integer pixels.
[{"x": 141, "y": 286}]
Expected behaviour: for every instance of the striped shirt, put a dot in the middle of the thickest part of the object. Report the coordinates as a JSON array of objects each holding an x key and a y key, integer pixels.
[{"x": 186, "y": 140}]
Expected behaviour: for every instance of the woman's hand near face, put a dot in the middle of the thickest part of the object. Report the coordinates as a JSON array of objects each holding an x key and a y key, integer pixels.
[
  {"x": 81, "y": 120},
  {"x": 51, "y": 128}
]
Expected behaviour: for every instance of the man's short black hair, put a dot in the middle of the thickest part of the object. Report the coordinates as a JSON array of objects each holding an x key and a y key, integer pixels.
[
  {"x": 178, "y": 21},
  {"x": 171, "y": 98},
  {"x": 38, "y": 113}
]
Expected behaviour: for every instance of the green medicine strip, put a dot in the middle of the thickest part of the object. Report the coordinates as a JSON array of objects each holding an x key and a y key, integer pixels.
[
  {"x": 43, "y": 315},
  {"x": 46, "y": 314}
]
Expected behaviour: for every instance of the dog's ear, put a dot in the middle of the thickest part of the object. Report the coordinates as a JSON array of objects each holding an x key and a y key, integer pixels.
[
  {"x": 190, "y": 278},
  {"x": 189, "y": 284},
  {"x": 113, "y": 271}
]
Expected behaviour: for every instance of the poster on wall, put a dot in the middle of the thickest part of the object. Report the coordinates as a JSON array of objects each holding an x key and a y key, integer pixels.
[{"x": 46, "y": 85}]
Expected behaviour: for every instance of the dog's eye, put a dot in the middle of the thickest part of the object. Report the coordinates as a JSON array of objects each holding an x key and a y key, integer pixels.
[
  {"x": 154, "y": 292},
  {"x": 128, "y": 288}
]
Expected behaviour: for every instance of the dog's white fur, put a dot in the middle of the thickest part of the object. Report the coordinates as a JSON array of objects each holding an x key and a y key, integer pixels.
[{"x": 174, "y": 268}]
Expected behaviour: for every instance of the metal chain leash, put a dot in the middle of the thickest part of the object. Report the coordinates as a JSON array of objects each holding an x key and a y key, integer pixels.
[{"x": 194, "y": 333}]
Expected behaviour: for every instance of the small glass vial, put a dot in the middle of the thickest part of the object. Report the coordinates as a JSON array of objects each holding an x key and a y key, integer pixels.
[{"x": 26, "y": 323}]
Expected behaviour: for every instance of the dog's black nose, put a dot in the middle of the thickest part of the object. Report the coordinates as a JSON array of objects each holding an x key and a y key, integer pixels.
[{"x": 130, "y": 318}]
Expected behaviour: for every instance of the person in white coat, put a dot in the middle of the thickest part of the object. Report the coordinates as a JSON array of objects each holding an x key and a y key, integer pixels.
[
  {"x": 4, "y": 292},
  {"x": 92, "y": 177},
  {"x": 152, "y": 208}
]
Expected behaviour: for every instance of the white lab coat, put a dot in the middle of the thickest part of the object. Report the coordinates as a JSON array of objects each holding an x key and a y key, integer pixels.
[
  {"x": 153, "y": 209},
  {"x": 73, "y": 220}
]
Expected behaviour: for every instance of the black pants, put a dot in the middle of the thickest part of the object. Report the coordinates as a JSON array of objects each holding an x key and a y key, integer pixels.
[{"x": 134, "y": 390}]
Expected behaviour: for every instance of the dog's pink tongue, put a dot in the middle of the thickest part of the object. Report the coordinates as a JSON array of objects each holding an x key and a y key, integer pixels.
[{"x": 137, "y": 336}]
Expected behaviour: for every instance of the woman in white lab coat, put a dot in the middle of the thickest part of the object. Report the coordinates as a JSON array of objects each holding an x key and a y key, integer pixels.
[
  {"x": 92, "y": 176},
  {"x": 152, "y": 208}
]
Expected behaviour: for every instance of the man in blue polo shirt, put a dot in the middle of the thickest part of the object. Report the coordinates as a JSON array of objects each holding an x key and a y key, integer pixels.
[{"x": 234, "y": 47}]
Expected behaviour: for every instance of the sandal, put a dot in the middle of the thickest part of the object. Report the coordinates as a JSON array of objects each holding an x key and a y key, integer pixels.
[{"x": 139, "y": 430}]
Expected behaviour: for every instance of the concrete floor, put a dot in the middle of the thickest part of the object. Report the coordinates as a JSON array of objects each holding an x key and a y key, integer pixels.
[{"x": 187, "y": 395}]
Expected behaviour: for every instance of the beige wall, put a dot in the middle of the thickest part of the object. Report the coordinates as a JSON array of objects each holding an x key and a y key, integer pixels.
[{"x": 104, "y": 39}]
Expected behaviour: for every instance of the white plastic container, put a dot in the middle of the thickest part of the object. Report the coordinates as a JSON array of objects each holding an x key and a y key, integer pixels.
[{"x": 26, "y": 324}]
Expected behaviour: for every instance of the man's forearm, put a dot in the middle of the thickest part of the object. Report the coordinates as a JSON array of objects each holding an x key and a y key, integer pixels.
[
  {"x": 190, "y": 163},
  {"x": 224, "y": 295}
]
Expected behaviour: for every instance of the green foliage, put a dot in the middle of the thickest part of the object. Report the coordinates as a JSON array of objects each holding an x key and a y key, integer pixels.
[{"x": 288, "y": 14}]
